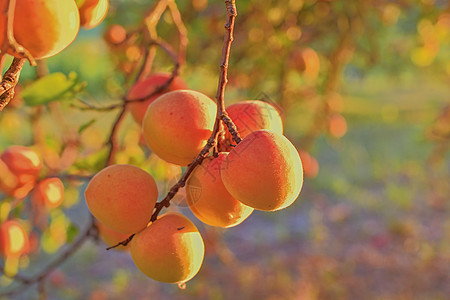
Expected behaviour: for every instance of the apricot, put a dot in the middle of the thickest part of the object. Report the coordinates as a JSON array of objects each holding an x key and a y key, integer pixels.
[
  {"x": 306, "y": 61},
  {"x": 122, "y": 197},
  {"x": 337, "y": 126},
  {"x": 252, "y": 115},
  {"x": 208, "y": 198},
  {"x": 48, "y": 193},
  {"x": 92, "y": 12},
  {"x": 44, "y": 28},
  {"x": 115, "y": 34},
  {"x": 178, "y": 124},
  {"x": 13, "y": 239},
  {"x": 111, "y": 237},
  {"x": 309, "y": 163},
  {"x": 146, "y": 87},
  {"x": 20, "y": 167},
  {"x": 264, "y": 171},
  {"x": 169, "y": 250}
]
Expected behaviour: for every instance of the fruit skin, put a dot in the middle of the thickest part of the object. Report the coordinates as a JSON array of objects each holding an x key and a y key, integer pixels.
[
  {"x": 20, "y": 167},
  {"x": 146, "y": 87},
  {"x": 122, "y": 197},
  {"x": 264, "y": 171},
  {"x": 13, "y": 239},
  {"x": 208, "y": 198},
  {"x": 92, "y": 12},
  {"x": 252, "y": 115},
  {"x": 178, "y": 124},
  {"x": 48, "y": 193},
  {"x": 44, "y": 28},
  {"x": 111, "y": 237},
  {"x": 169, "y": 250}
]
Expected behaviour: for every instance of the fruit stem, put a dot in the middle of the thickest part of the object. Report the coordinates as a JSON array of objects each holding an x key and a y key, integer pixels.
[{"x": 9, "y": 42}]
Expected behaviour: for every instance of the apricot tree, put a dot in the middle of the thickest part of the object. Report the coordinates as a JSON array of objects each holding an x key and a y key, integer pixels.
[{"x": 229, "y": 161}]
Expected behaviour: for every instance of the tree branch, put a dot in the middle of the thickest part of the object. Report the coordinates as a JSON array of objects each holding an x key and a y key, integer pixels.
[{"x": 10, "y": 80}]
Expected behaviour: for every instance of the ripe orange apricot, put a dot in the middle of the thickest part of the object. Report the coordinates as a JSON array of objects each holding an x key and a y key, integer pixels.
[
  {"x": 115, "y": 34},
  {"x": 252, "y": 115},
  {"x": 146, "y": 87},
  {"x": 92, "y": 12},
  {"x": 13, "y": 239},
  {"x": 122, "y": 197},
  {"x": 111, "y": 237},
  {"x": 309, "y": 163},
  {"x": 337, "y": 126},
  {"x": 169, "y": 250},
  {"x": 44, "y": 28},
  {"x": 48, "y": 193},
  {"x": 178, "y": 124},
  {"x": 306, "y": 61},
  {"x": 208, "y": 198},
  {"x": 20, "y": 167},
  {"x": 263, "y": 171}
]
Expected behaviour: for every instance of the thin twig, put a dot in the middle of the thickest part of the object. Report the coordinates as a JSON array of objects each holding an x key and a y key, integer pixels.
[{"x": 112, "y": 140}]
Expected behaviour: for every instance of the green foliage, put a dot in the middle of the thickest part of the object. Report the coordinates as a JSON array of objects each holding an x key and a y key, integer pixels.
[{"x": 53, "y": 87}]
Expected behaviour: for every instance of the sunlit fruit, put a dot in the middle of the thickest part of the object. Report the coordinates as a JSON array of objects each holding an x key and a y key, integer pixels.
[
  {"x": 13, "y": 239},
  {"x": 115, "y": 34},
  {"x": 169, "y": 250},
  {"x": 309, "y": 163},
  {"x": 263, "y": 171},
  {"x": 147, "y": 86},
  {"x": 178, "y": 124},
  {"x": 252, "y": 115},
  {"x": 44, "y": 28},
  {"x": 20, "y": 168},
  {"x": 22, "y": 160},
  {"x": 92, "y": 12},
  {"x": 337, "y": 126},
  {"x": 306, "y": 61},
  {"x": 122, "y": 197},
  {"x": 48, "y": 193},
  {"x": 111, "y": 237},
  {"x": 208, "y": 198},
  {"x": 8, "y": 181}
]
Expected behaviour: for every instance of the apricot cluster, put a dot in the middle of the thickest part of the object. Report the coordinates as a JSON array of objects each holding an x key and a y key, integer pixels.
[
  {"x": 45, "y": 28},
  {"x": 262, "y": 172},
  {"x": 20, "y": 168},
  {"x": 122, "y": 198}
]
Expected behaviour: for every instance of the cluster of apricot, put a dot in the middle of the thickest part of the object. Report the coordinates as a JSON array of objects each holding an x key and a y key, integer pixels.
[
  {"x": 45, "y": 28},
  {"x": 20, "y": 172},
  {"x": 262, "y": 172},
  {"x": 19, "y": 168}
]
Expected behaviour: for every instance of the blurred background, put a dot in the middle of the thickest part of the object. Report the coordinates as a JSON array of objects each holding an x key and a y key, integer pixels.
[{"x": 364, "y": 91}]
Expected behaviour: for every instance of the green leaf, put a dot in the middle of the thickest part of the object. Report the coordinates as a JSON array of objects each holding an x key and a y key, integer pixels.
[
  {"x": 72, "y": 232},
  {"x": 53, "y": 87},
  {"x": 86, "y": 125}
]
